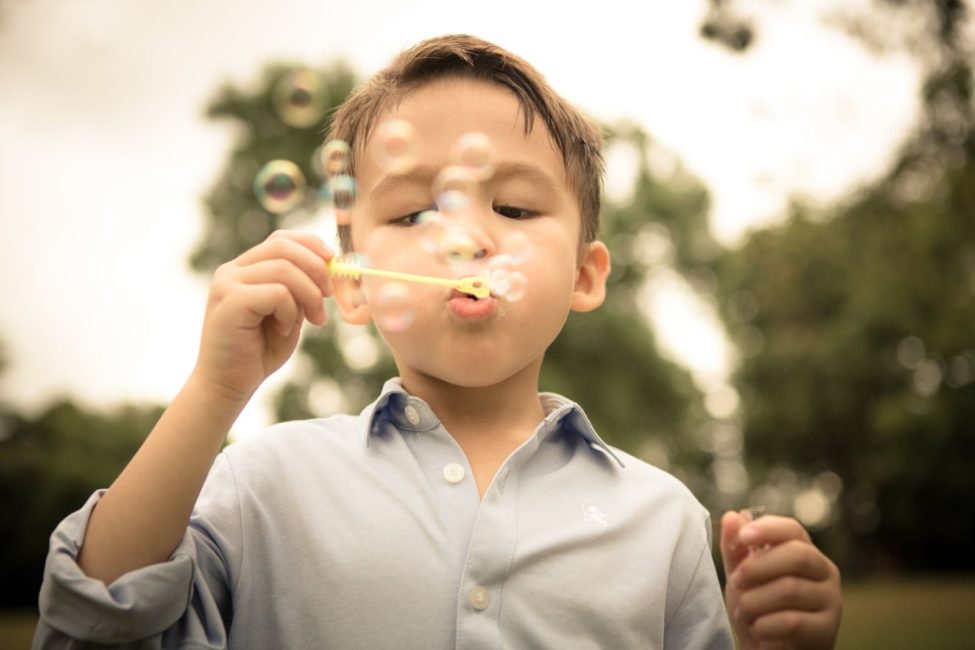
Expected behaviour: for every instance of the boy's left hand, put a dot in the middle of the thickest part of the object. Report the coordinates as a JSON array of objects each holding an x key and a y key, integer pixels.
[{"x": 782, "y": 591}]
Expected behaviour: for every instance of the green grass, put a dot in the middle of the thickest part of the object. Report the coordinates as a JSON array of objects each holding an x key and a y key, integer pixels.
[
  {"x": 934, "y": 613},
  {"x": 17, "y": 628}
]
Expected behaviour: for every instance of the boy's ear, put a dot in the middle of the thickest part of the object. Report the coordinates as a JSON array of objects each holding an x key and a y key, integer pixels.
[
  {"x": 351, "y": 301},
  {"x": 594, "y": 267}
]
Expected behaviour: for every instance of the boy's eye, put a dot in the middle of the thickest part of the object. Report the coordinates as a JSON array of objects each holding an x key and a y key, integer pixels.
[
  {"x": 512, "y": 212},
  {"x": 408, "y": 219}
]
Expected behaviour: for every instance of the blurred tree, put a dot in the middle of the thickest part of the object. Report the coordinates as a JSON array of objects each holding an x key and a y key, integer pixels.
[
  {"x": 49, "y": 466},
  {"x": 607, "y": 360},
  {"x": 855, "y": 328}
]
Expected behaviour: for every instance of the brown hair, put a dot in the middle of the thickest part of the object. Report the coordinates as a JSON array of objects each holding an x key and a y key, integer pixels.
[{"x": 577, "y": 138}]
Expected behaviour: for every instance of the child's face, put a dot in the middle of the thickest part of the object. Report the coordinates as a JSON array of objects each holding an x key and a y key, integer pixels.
[{"x": 525, "y": 205}]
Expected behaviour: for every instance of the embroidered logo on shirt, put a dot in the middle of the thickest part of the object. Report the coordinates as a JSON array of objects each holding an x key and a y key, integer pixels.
[{"x": 594, "y": 514}]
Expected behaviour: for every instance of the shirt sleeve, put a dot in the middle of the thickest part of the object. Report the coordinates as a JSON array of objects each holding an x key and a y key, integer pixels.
[
  {"x": 185, "y": 601},
  {"x": 698, "y": 618}
]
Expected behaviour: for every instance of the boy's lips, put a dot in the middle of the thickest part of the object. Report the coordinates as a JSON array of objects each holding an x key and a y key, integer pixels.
[{"x": 466, "y": 307}]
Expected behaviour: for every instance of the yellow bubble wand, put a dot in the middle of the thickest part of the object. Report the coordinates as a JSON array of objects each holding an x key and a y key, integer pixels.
[{"x": 477, "y": 286}]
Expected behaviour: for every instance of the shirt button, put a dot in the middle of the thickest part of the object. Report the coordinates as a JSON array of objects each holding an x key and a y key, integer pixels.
[
  {"x": 480, "y": 598},
  {"x": 453, "y": 473},
  {"x": 412, "y": 415}
]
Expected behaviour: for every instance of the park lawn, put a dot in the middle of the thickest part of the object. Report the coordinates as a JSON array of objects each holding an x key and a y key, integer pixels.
[
  {"x": 930, "y": 612},
  {"x": 934, "y": 613},
  {"x": 17, "y": 628}
]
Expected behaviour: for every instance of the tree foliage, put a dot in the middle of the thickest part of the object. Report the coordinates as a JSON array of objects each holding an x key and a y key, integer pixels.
[
  {"x": 858, "y": 353},
  {"x": 49, "y": 465}
]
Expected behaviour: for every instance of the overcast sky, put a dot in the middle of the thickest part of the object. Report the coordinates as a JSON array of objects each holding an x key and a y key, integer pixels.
[{"x": 105, "y": 153}]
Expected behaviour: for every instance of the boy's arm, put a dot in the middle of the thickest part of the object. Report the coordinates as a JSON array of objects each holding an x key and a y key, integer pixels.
[
  {"x": 781, "y": 590},
  {"x": 256, "y": 306}
]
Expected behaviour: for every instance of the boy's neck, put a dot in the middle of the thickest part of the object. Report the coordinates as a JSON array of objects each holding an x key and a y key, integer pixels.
[{"x": 499, "y": 415}]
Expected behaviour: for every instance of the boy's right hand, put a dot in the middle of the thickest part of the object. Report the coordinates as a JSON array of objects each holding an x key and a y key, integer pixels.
[{"x": 255, "y": 310}]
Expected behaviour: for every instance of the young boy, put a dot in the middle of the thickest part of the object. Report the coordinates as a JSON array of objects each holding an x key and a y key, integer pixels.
[{"x": 462, "y": 508}]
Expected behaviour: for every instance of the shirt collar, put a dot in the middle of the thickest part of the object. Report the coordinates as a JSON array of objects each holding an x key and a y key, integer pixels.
[{"x": 408, "y": 413}]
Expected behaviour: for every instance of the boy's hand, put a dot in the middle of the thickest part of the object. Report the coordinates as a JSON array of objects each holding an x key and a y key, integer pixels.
[
  {"x": 255, "y": 310},
  {"x": 782, "y": 591}
]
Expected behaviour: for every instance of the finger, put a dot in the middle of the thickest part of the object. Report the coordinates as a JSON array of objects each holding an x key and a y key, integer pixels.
[
  {"x": 732, "y": 550},
  {"x": 280, "y": 271},
  {"x": 793, "y": 558},
  {"x": 304, "y": 250},
  {"x": 799, "y": 628},
  {"x": 771, "y": 530},
  {"x": 268, "y": 301},
  {"x": 784, "y": 593}
]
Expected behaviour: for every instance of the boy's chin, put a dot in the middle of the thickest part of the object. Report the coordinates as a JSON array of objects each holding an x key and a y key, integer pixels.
[{"x": 469, "y": 376}]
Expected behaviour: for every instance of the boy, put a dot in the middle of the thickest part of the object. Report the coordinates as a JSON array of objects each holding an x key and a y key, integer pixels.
[{"x": 462, "y": 508}]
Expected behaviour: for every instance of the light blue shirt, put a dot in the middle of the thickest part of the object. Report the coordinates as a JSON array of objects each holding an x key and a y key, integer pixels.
[{"x": 368, "y": 532}]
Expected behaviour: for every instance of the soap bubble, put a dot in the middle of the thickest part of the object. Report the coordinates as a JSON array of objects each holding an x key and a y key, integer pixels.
[
  {"x": 475, "y": 153},
  {"x": 517, "y": 246},
  {"x": 334, "y": 158},
  {"x": 455, "y": 178},
  {"x": 505, "y": 282},
  {"x": 517, "y": 282},
  {"x": 453, "y": 202},
  {"x": 431, "y": 223},
  {"x": 393, "y": 309},
  {"x": 457, "y": 247},
  {"x": 342, "y": 190},
  {"x": 397, "y": 146},
  {"x": 279, "y": 186},
  {"x": 429, "y": 218},
  {"x": 300, "y": 99}
]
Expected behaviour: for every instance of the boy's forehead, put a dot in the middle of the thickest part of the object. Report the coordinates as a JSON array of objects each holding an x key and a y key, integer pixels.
[{"x": 443, "y": 110}]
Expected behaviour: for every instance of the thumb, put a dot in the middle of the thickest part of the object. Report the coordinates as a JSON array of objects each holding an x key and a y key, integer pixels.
[{"x": 732, "y": 550}]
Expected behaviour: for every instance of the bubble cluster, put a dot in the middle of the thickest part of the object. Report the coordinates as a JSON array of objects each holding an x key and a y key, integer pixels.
[
  {"x": 445, "y": 232},
  {"x": 506, "y": 282},
  {"x": 279, "y": 186},
  {"x": 300, "y": 99}
]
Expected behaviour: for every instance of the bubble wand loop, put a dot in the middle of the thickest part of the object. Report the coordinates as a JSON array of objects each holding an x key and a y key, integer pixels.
[{"x": 476, "y": 286}]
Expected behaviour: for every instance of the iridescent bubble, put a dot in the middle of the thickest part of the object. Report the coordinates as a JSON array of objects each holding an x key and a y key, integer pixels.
[
  {"x": 502, "y": 261},
  {"x": 517, "y": 245},
  {"x": 428, "y": 218},
  {"x": 393, "y": 309},
  {"x": 457, "y": 247},
  {"x": 300, "y": 99},
  {"x": 431, "y": 224},
  {"x": 279, "y": 186},
  {"x": 342, "y": 190},
  {"x": 498, "y": 281},
  {"x": 334, "y": 157},
  {"x": 475, "y": 153},
  {"x": 517, "y": 282},
  {"x": 397, "y": 146},
  {"x": 455, "y": 178},
  {"x": 453, "y": 202}
]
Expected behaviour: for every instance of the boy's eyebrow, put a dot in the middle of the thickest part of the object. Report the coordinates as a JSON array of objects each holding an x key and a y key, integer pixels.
[{"x": 424, "y": 175}]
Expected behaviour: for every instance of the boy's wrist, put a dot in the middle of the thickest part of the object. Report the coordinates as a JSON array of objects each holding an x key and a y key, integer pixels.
[{"x": 216, "y": 395}]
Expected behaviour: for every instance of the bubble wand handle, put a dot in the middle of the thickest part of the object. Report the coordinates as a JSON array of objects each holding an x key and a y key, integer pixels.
[{"x": 473, "y": 285}]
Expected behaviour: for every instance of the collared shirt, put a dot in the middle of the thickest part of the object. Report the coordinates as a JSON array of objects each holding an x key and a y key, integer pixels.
[{"x": 368, "y": 532}]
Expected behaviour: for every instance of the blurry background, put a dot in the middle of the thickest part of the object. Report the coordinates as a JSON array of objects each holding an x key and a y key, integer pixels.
[{"x": 790, "y": 204}]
